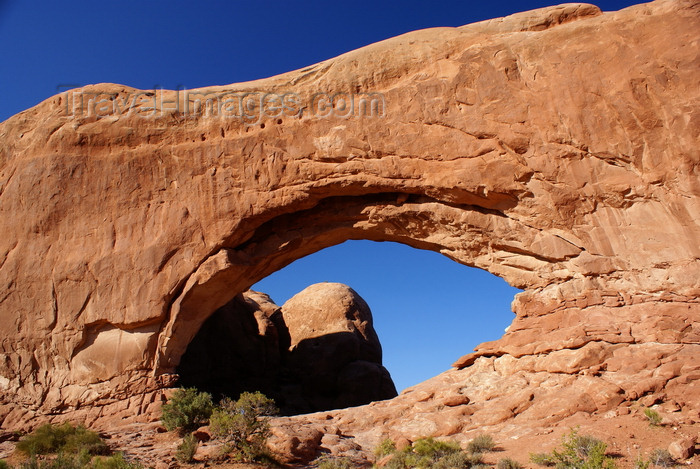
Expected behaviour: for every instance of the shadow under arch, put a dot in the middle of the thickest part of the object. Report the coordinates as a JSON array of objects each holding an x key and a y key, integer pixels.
[{"x": 468, "y": 234}]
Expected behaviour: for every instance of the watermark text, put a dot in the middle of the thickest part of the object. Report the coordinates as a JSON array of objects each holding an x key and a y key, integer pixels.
[{"x": 250, "y": 107}]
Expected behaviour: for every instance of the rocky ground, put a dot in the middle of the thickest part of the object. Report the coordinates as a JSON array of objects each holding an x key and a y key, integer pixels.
[
  {"x": 628, "y": 436},
  {"x": 428, "y": 410}
]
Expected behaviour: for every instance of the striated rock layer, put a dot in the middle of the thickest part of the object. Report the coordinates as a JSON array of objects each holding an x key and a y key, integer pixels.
[{"x": 557, "y": 149}]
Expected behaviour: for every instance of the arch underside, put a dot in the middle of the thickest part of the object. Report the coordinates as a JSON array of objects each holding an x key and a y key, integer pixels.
[{"x": 468, "y": 234}]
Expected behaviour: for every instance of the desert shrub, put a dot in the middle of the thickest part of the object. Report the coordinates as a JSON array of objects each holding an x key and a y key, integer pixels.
[
  {"x": 458, "y": 460},
  {"x": 481, "y": 444},
  {"x": 433, "y": 448},
  {"x": 658, "y": 458},
  {"x": 64, "y": 438},
  {"x": 578, "y": 452},
  {"x": 385, "y": 448},
  {"x": 62, "y": 461},
  {"x": 187, "y": 448},
  {"x": 653, "y": 417},
  {"x": 32, "y": 463},
  {"x": 431, "y": 453},
  {"x": 661, "y": 458},
  {"x": 244, "y": 425},
  {"x": 403, "y": 460},
  {"x": 81, "y": 460},
  {"x": 187, "y": 410},
  {"x": 542, "y": 459},
  {"x": 586, "y": 445},
  {"x": 507, "y": 463},
  {"x": 333, "y": 462},
  {"x": 116, "y": 461}
]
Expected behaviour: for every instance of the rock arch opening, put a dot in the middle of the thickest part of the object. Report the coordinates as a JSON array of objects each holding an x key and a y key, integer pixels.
[
  {"x": 426, "y": 309},
  {"x": 317, "y": 352},
  {"x": 469, "y": 234}
]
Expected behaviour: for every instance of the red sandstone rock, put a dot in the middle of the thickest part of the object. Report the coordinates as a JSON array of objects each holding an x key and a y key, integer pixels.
[
  {"x": 294, "y": 444},
  {"x": 453, "y": 401},
  {"x": 318, "y": 352},
  {"x": 334, "y": 350},
  {"x": 203, "y": 434},
  {"x": 682, "y": 449}
]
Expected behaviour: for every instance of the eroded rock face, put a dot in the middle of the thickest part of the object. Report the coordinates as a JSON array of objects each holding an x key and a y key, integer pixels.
[
  {"x": 555, "y": 148},
  {"x": 318, "y": 352}
]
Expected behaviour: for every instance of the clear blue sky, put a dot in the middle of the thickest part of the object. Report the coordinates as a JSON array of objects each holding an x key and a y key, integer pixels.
[{"x": 428, "y": 310}]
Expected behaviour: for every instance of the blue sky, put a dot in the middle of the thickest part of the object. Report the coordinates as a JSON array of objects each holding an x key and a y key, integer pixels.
[{"x": 428, "y": 310}]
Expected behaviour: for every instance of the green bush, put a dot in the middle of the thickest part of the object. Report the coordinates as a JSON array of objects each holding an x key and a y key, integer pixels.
[
  {"x": 244, "y": 425},
  {"x": 481, "y": 444},
  {"x": 458, "y": 460},
  {"x": 81, "y": 460},
  {"x": 542, "y": 459},
  {"x": 187, "y": 410},
  {"x": 116, "y": 461},
  {"x": 507, "y": 463},
  {"x": 187, "y": 449},
  {"x": 661, "y": 458},
  {"x": 65, "y": 438},
  {"x": 586, "y": 445},
  {"x": 333, "y": 462},
  {"x": 433, "y": 448},
  {"x": 62, "y": 461},
  {"x": 68, "y": 461},
  {"x": 430, "y": 453},
  {"x": 653, "y": 417},
  {"x": 385, "y": 448},
  {"x": 578, "y": 452}
]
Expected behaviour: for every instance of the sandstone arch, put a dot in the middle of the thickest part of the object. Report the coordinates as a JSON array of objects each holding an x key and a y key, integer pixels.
[
  {"x": 413, "y": 220},
  {"x": 555, "y": 148}
]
